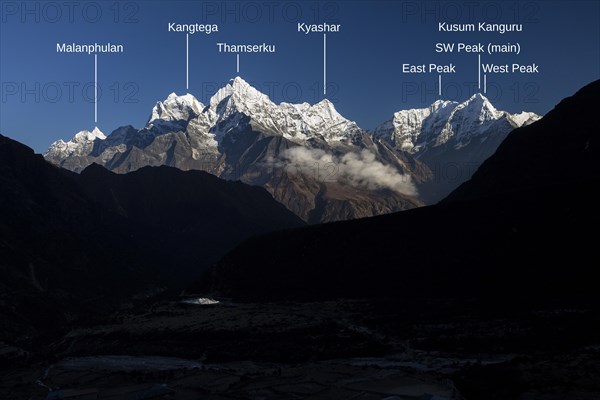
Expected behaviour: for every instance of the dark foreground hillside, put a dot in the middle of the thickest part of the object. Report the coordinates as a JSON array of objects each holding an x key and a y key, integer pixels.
[{"x": 76, "y": 246}]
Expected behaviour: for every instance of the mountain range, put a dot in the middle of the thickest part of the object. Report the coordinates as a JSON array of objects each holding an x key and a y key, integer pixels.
[{"x": 320, "y": 165}]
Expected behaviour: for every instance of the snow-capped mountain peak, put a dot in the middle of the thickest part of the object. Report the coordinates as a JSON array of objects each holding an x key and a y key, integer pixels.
[
  {"x": 82, "y": 142},
  {"x": 328, "y": 108},
  {"x": 243, "y": 92},
  {"x": 176, "y": 108},
  {"x": 324, "y": 117},
  {"x": 243, "y": 130},
  {"x": 239, "y": 84},
  {"x": 524, "y": 118},
  {"x": 86, "y": 136},
  {"x": 416, "y": 130},
  {"x": 296, "y": 122},
  {"x": 89, "y": 135},
  {"x": 442, "y": 104},
  {"x": 479, "y": 105},
  {"x": 230, "y": 109},
  {"x": 238, "y": 106}
]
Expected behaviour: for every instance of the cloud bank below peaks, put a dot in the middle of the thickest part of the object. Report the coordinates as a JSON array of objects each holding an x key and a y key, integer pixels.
[{"x": 357, "y": 169}]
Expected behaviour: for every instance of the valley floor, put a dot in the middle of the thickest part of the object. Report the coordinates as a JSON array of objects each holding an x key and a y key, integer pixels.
[{"x": 347, "y": 349}]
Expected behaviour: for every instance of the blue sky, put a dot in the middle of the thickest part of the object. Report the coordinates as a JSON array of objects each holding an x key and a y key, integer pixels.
[{"x": 46, "y": 96}]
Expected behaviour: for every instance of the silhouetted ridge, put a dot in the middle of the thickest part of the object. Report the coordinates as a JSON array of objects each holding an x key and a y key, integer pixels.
[{"x": 562, "y": 148}]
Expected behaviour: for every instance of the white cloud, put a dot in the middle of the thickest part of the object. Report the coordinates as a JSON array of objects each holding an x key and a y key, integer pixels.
[{"x": 357, "y": 169}]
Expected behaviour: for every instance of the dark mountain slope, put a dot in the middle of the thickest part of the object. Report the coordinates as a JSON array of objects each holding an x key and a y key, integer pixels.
[
  {"x": 518, "y": 229},
  {"x": 53, "y": 246},
  {"x": 563, "y": 148},
  {"x": 72, "y": 245},
  {"x": 188, "y": 219}
]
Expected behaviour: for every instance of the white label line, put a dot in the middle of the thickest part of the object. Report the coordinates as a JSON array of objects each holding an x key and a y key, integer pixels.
[
  {"x": 479, "y": 71},
  {"x": 238, "y": 62},
  {"x": 95, "y": 88},
  {"x": 484, "y": 83},
  {"x": 440, "y": 85},
  {"x": 187, "y": 60},
  {"x": 325, "y": 64}
]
